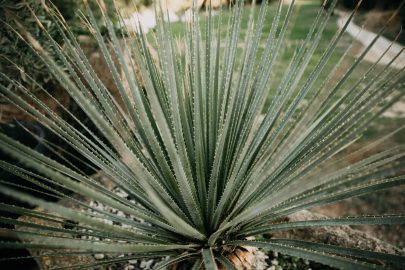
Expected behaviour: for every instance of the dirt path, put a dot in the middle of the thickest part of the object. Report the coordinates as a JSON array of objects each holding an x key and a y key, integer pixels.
[{"x": 365, "y": 37}]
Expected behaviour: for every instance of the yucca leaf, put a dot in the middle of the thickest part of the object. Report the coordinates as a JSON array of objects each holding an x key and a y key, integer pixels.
[
  {"x": 55, "y": 243},
  {"x": 190, "y": 137},
  {"x": 174, "y": 260},
  {"x": 55, "y": 254},
  {"x": 226, "y": 263},
  {"x": 315, "y": 255},
  {"x": 104, "y": 262},
  {"x": 209, "y": 259},
  {"x": 350, "y": 220},
  {"x": 343, "y": 251},
  {"x": 197, "y": 265}
]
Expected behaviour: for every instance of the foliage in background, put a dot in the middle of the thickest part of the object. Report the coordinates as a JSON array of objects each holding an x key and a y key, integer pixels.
[
  {"x": 205, "y": 169},
  {"x": 15, "y": 51}
]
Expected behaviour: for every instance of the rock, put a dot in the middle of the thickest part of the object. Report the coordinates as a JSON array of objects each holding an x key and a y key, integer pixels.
[
  {"x": 335, "y": 235},
  {"x": 122, "y": 194},
  {"x": 146, "y": 20},
  {"x": 181, "y": 5},
  {"x": 216, "y": 3},
  {"x": 171, "y": 16},
  {"x": 187, "y": 16},
  {"x": 98, "y": 256},
  {"x": 146, "y": 264}
]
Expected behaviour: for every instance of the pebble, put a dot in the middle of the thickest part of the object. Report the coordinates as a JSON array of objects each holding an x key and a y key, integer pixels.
[
  {"x": 98, "y": 256},
  {"x": 122, "y": 194},
  {"x": 110, "y": 222},
  {"x": 146, "y": 264},
  {"x": 131, "y": 264}
]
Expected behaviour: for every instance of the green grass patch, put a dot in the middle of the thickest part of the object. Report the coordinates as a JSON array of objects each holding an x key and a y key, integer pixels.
[{"x": 299, "y": 27}]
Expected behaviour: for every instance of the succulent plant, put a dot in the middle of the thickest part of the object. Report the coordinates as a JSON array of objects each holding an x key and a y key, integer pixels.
[{"x": 205, "y": 168}]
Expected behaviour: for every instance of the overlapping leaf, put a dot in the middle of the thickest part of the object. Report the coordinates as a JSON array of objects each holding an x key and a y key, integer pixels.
[{"x": 186, "y": 138}]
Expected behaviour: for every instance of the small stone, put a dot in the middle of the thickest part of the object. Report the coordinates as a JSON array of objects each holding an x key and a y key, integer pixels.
[
  {"x": 274, "y": 262},
  {"x": 271, "y": 268},
  {"x": 110, "y": 222},
  {"x": 132, "y": 261},
  {"x": 96, "y": 205},
  {"x": 98, "y": 256},
  {"x": 125, "y": 226},
  {"x": 146, "y": 264},
  {"x": 122, "y": 194}
]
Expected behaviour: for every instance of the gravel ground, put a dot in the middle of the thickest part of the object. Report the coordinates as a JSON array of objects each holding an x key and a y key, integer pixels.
[
  {"x": 144, "y": 264},
  {"x": 278, "y": 261},
  {"x": 268, "y": 261}
]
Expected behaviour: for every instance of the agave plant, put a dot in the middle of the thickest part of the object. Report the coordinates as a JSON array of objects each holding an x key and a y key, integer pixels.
[{"x": 209, "y": 167}]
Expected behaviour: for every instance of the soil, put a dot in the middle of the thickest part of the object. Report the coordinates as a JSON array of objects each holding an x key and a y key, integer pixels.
[
  {"x": 10, "y": 112},
  {"x": 374, "y": 20}
]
